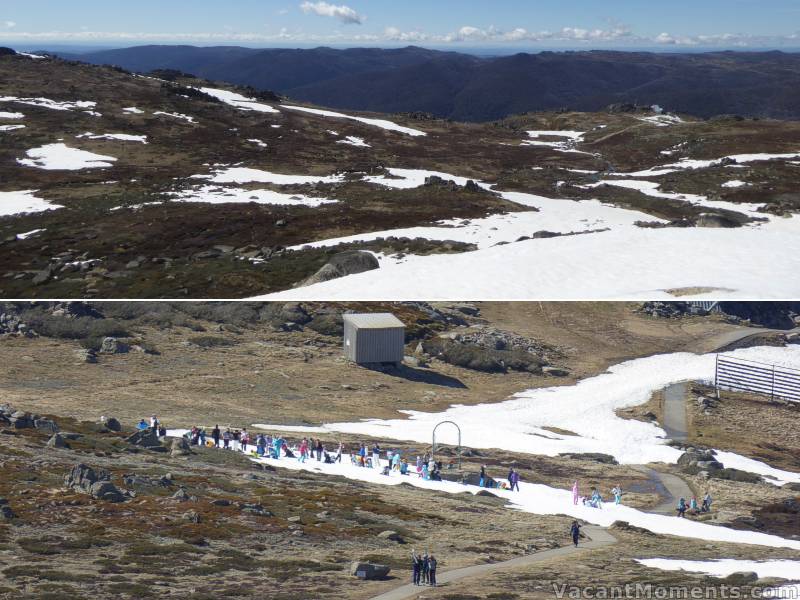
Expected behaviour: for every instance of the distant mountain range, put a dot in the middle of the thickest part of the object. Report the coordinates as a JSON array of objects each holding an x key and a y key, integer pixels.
[{"x": 470, "y": 88}]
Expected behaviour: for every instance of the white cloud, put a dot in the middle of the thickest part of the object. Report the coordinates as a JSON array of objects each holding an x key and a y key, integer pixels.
[
  {"x": 344, "y": 13},
  {"x": 9, "y": 24},
  {"x": 520, "y": 34},
  {"x": 619, "y": 36}
]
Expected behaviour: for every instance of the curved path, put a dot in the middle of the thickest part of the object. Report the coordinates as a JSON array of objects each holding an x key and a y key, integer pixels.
[
  {"x": 672, "y": 488},
  {"x": 598, "y": 538},
  {"x": 722, "y": 341}
]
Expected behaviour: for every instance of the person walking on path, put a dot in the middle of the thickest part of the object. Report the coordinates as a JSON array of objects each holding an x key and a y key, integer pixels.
[
  {"x": 320, "y": 450},
  {"x": 575, "y": 532},
  {"x": 226, "y": 439},
  {"x": 244, "y": 439},
  {"x": 416, "y": 567},
  {"x": 202, "y": 435},
  {"x": 425, "y": 568},
  {"x": 513, "y": 479},
  {"x": 338, "y": 458},
  {"x": 432, "y": 564},
  {"x": 482, "y": 482},
  {"x": 617, "y": 491},
  {"x": 682, "y": 508},
  {"x": 706, "y": 503},
  {"x": 215, "y": 435},
  {"x": 154, "y": 423},
  {"x": 575, "y": 493}
]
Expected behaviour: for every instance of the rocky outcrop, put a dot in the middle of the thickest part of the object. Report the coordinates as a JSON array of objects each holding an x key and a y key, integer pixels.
[
  {"x": 715, "y": 220},
  {"x": 368, "y": 571},
  {"x": 56, "y": 441},
  {"x": 97, "y": 484},
  {"x": 178, "y": 447},
  {"x": 694, "y": 460},
  {"x": 391, "y": 536},
  {"x": 146, "y": 438},
  {"x": 112, "y": 345},
  {"x": 86, "y": 355},
  {"x": 347, "y": 263},
  {"x": 111, "y": 423},
  {"x": 6, "y": 513}
]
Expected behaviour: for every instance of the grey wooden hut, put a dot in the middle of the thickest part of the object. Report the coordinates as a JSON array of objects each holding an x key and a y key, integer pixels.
[{"x": 371, "y": 338}]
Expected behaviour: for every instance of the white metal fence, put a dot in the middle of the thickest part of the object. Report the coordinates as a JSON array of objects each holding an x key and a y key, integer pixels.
[{"x": 762, "y": 378}]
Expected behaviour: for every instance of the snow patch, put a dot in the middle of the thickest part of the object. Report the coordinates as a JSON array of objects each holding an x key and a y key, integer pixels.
[
  {"x": 247, "y": 175},
  {"x": 784, "y": 569},
  {"x": 662, "y": 120},
  {"x": 354, "y": 141},
  {"x": 11, "y": 115},
  {"x": 50, "y": 104},
  {"x": 238, "y": 101},
  {"x": 25, "y": 201},
  {"x": 381, "y": 123},
  {"x": 27, "y": 234},
  {"x": 123, "y": 137},
  {"x": 210, "y": 194},
  {"x": 735, "y": 184},
  {"x": 60, "y": 157},
  {"x": 11, "y": 127},
  {"x": 180, "y": 116},
  {"x": 689, "y": 163}
]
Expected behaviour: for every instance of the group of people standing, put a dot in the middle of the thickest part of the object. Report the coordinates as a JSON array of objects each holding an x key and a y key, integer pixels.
[
  {"x": 594, "y": 499},
  {"x": 692, "y": 508},
  {"x": 155, "y": 425},
  {"x": 423, "y": 569}
]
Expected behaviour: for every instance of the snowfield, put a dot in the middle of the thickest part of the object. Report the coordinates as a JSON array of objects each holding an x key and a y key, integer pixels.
[
  {"x": 11, "y": 115},
  {"x": 11, "y": 127},
  {"x": 239, "y": 101},
  {"x": 586, "y": 409},
  {"x": 25, "y": 201},
  {"x": 60, "y": 157},
  {"x": 381, "y": 123},
  {"x": 625, "y": 263},
  {"x": 617, "y": 259}
]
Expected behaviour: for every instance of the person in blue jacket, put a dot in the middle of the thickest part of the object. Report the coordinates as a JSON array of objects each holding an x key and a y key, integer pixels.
[
  {"x": 682, "y": 508},
  {"x": 575, "y": 532}
]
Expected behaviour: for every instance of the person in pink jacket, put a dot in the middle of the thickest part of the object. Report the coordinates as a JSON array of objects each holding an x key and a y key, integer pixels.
[{"x": 303, "y": 450}]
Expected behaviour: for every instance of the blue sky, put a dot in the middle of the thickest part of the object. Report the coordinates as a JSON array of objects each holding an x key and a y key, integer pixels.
[{"x": 514, "y": 23}]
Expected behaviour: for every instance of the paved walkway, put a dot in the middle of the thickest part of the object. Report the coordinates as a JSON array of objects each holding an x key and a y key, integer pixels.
[
  {"x": 598, "y": 538},
  {"x": 674, "y": 411}
]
